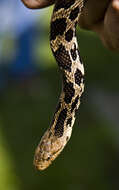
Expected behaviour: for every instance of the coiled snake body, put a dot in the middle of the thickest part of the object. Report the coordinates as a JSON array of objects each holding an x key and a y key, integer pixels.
[{"x": 65, "y": 50}]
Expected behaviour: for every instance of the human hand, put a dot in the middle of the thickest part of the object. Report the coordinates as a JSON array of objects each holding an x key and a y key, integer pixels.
[{"x": 100, "y": 16}]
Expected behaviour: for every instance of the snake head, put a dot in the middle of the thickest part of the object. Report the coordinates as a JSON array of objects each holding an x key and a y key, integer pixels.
[{"x": 47, "y": 150}]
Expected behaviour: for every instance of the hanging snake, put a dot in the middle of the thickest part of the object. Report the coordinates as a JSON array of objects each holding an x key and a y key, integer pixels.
[{"x": 64, "y": 46}]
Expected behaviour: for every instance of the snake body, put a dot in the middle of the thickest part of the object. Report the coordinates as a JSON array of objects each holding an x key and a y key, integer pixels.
[{"x": 64, "y": 46}]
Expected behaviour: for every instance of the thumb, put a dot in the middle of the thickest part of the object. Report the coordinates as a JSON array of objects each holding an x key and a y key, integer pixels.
[
  {"x": 111, "y": 24},
  {"x": 37, "y": 4}
]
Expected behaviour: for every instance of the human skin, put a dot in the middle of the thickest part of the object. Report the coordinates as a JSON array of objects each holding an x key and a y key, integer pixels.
[{"x": 100, "y": 16}]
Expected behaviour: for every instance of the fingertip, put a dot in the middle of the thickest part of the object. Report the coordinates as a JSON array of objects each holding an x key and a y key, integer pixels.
[
  {"x": 30, "y": 4},
  {"x": 37, "y": 4},
  {"x": 115, "y": 4}
]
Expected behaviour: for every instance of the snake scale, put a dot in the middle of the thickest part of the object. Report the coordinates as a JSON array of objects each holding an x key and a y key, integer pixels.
[{"x": 64, "y": 46}]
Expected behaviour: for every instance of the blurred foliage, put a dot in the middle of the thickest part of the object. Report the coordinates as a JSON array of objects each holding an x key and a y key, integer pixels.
[{"x": 90, "y": 160}]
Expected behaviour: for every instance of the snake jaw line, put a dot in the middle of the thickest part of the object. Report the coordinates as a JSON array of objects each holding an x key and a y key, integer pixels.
[{"x": 47, "y": 150}]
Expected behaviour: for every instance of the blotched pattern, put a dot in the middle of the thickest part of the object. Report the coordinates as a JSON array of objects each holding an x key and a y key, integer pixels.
[{"x": 65, "y": 50}]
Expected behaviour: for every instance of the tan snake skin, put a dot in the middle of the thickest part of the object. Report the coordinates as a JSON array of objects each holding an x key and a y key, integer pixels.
[{"x": 65, "y": 50}]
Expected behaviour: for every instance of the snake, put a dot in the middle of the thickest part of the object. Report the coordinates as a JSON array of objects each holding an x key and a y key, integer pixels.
[{"x": 64, "y": 46}]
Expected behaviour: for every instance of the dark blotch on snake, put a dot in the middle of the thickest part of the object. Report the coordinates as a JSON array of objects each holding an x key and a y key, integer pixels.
[
  {"x": 73, "y": 52},
  {"x": 68, "y": 90},
  {"x": 50, "y": 134},
  {"x": 59, "y": 127},
  {"x": 79, "y": 56},
  {"x": 69, "y": 121},
  {"x": 74, "y": 104},
  {"x": 58, "y": 107},
  {"x": 64, "y": 4},
  {"x": 76, "y": 112},
  {"x": 63, "y": 58},
  {"x": 78, "y": 77},
  {"x": 69, "y": 35},
  {"x": 57, "y": 28},
  {"x": 74, "y": 13}
]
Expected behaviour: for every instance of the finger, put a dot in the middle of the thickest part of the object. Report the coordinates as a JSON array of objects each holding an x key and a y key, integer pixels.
[
  {"x": 37, "y": 4},
  {"x": 115, "y": 4},
  {"x": 92, "y": 13},
  {"x": 111, "y": 26}
]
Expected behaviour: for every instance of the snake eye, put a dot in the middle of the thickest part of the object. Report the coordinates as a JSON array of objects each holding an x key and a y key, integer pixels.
[{"x": 48, "y": 158}]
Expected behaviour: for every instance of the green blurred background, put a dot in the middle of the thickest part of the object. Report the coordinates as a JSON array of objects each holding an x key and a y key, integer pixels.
[{"x": 90, "y": 161}]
